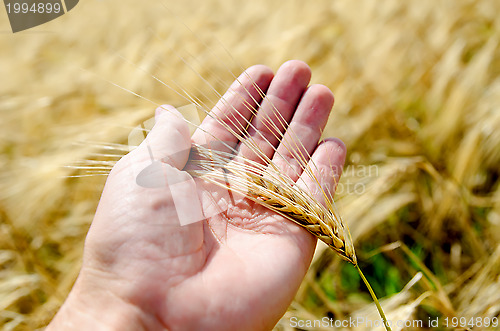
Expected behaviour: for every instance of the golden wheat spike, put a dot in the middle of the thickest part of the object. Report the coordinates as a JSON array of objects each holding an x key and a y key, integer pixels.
[{"x": 278, "y": 192}]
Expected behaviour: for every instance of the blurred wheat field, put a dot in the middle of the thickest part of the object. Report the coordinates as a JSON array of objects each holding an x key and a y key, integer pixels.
[{"x": 417, "y": 87}]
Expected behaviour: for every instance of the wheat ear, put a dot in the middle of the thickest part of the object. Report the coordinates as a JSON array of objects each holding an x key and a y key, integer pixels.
[{"x": 276, "y": 191}]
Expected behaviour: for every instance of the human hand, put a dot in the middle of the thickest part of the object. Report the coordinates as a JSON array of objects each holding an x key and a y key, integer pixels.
[{"x": 237, "y": 270}]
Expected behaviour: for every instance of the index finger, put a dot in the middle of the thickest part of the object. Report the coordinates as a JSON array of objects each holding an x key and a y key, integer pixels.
[{"x": 229, "y": 118}]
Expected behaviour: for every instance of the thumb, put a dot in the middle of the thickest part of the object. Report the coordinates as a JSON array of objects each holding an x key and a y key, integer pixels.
[{"x": 168, "y": 141}]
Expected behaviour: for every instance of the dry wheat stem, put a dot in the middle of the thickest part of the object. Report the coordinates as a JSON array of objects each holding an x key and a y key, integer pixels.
[{"x": 278, "y": 192}]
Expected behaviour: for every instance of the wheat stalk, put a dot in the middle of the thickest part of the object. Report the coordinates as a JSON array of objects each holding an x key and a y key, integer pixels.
[
  {"x": 278, "y": 192},
  {"x": 266, "y": 185}
]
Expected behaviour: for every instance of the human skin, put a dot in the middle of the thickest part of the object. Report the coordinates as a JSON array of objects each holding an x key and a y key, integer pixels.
[{"x": 238, "y": 270}]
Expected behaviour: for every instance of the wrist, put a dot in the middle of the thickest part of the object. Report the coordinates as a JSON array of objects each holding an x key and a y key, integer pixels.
[{"x": 97, "y": 308}]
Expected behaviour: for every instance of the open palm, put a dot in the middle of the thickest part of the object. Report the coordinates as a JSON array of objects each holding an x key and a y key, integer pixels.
[{"x": 238, "y": 269}]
